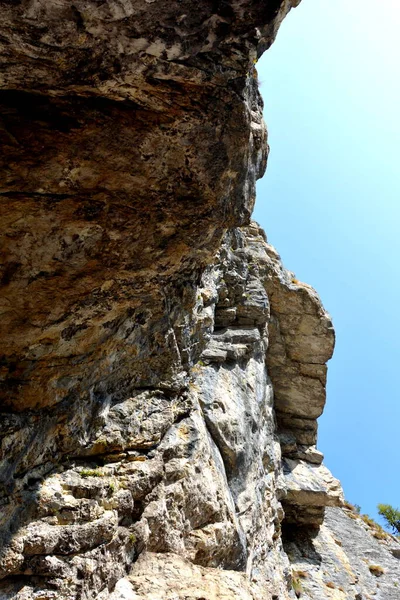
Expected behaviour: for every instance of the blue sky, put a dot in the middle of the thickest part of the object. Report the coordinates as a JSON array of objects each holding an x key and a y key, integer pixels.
[{"x": 330, "y": 204}]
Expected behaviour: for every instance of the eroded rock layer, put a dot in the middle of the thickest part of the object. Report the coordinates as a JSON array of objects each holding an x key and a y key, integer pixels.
[
  {"x": 194, "y": 474},
  {"x": 349, "y": 557},
  {"x": 161, "y": 372}
]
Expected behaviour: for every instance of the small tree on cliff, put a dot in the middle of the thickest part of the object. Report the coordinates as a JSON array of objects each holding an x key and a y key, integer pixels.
[{"x": 391, "y": 516}]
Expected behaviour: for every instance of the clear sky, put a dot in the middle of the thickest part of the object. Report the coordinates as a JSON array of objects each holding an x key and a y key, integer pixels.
[{"x": 330, "y": 204}]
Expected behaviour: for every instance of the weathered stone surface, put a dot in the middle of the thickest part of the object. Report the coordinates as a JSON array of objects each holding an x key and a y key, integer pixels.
[
  {"x": 334, "y": 563},
  {"x": 301, "y": 340},
  {"x": 309, "y": 488},
  {"x": 116, "y": 48},
  {"x": 310, "y": 454},
  {"x": 193, "y": 472},
  {"x": 169, "y": 577},
  {"x": 128, "y": 148},
  {"x": 311, "y": 484},
  {"x": 132, "y": 136},
  {"x": 158, "y": 361}
]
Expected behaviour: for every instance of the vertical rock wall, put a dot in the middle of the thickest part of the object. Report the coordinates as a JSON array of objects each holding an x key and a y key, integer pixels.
[
  {"x": 168, "y": 480},
  {"x": 161, "y": 372}
]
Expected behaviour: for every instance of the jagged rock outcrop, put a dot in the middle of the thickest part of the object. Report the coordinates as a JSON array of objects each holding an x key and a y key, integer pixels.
[
  {"x": 197, "y": 476},
  {"x": 348, "y": 557},
  {"x": 161, "y": 371}
]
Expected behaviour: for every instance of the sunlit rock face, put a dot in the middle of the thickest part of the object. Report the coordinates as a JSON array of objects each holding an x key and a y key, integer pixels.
[
  {"x": 347, "y": 557},
  {"x": 181, "y": 483},
  {"x": 161, "y": 372}
]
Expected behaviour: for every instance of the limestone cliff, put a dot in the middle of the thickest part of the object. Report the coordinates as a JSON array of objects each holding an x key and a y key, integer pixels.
[{"x": 161, "y": 372}]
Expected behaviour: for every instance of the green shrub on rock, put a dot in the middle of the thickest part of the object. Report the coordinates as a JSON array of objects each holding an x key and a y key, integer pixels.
[{"x": 391, "y": 516}]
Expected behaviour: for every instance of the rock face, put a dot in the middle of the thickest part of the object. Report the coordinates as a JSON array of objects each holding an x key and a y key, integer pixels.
[
  {"x": 347, "y": 558},
  {"x": 161, "y": 372}
]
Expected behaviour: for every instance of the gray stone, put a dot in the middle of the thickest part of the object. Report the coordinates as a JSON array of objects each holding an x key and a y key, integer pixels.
[
  {"x": 158, "y": 357},
  {"x": 170, "y": 577},
  {"x": 310, "y": 485},
  {"x": 335, "y": 561}
]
